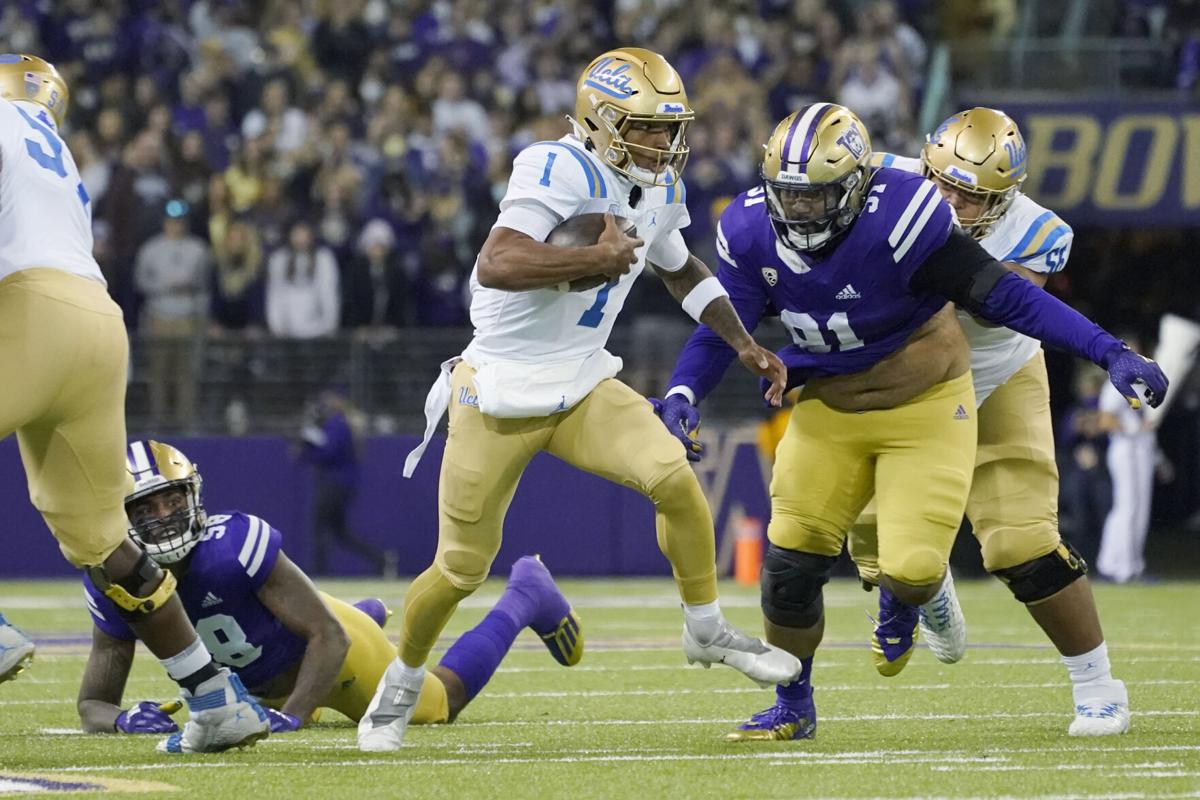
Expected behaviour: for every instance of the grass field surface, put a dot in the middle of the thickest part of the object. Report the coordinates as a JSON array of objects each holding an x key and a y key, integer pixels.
[{"x": 633, "y": 721}]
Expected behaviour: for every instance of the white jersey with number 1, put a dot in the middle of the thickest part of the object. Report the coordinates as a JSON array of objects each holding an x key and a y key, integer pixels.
[
  {"x": 1029, "y": 235},
  {"x": 552, "y": 182},
  {"x": 45, "y": 213}
]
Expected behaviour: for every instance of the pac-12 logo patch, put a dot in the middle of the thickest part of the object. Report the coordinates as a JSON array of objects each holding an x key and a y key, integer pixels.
[{"x": 770, "y": 275}]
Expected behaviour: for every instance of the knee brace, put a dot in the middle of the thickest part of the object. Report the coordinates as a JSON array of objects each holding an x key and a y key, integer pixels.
[
  {"x": 791, "y": 586},
  {"x": 145, "y": 589},
  {"x": 1044, "y": 576}
]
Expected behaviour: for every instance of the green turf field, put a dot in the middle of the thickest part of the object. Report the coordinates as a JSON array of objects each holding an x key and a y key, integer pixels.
[{"x": 633, "y": 721}]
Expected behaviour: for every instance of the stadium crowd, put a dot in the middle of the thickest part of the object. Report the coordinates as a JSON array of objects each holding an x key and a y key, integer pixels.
[{"x": 303, "y": 167}]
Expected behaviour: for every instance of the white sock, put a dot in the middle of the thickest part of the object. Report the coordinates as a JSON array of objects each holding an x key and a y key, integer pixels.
[
  {"x": 1090, "y": 666},
  {"x": 410, "y": 675},
  {"x": 703, "y": 620},
  {"x": 188, "y": 661}
]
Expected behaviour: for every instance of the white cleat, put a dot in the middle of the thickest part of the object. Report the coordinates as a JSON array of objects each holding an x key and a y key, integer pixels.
[
  {"x": 221, "y": 715},
  {"x": 382, "y": 727},
  {"x": 16, "y": 650},
  {"x": 762, "y": 663},
  {"x": 1101, "y": 710},
  {"x": 943, "y": 624}
]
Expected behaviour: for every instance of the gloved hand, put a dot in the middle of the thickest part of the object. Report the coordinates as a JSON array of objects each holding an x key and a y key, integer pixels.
[
  {"x": 281, "y": 722},
  {"x": 148, "y": 717},
  {"x": 682, "y": 420},
  {"x": 1125, "y": 367}
]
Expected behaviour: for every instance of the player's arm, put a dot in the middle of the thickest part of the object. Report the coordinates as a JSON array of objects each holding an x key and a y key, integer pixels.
[
  {"x": 962, "y": 271},
  {"x": 291, "y": 597},
  {"x": 514, "y": 261},
  {"x": 104, "y": 678},
  {"x": 704, "y": 297}
]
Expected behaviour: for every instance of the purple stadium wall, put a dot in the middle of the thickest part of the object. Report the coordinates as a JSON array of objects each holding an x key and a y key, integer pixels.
[{"x": 581, "y": 524}]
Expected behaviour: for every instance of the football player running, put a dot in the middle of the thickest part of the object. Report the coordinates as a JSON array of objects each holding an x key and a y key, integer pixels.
[
  {"x": 537, "y": 377},
  {"x": 976, "y": 158},
  {"x": 297, "y": 648},
  {"x": 63, "y": 347},
  {"x": 860, "y": 265}
]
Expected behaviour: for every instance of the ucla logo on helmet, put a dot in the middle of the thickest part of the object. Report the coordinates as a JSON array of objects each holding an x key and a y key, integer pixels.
[
  {"x": 940, "y": 131},
  {"x": 770, "y": 275},
  {"x": 670, "y": 108},
  {"x": 853, "y": 141},
  {"x": 613, "y": 81},
  {"x": 1016, "y": 155}
]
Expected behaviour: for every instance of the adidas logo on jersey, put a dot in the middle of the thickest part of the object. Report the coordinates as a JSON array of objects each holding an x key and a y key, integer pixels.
[
  {"x": 210, "y": 600},
  {"x": 848, "y": 292},
  {"x": 961, "y": 413}
]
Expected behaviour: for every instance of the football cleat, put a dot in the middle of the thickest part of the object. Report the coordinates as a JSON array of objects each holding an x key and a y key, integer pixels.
[
  {"x": 382, "y": 727},
  {"x": 1101, "y": 709},
  {"x": 895, "y": 634},
  {"x": 943, "y": 624},
  {"x": 762, "y": 663},
  {"x": 16, "y": 651},
  {"x": 376, "y": 609},
  {"x": 222, "y": 715},
  {"x": 555, "y": 621},
  {"x": 781, "y": 722}
]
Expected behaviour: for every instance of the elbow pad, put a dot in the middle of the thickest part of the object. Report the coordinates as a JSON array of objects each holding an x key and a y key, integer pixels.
[{"x": 961, "y": 271}]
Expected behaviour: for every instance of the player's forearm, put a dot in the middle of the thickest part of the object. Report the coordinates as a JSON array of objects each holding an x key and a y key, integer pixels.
[
  {"x": 701, "y": 364},
  {"x": 1023, "y": 307},
  {"x": 527, "y": 264},
  {"x": 323, "y": 659},
  {"x": 719, "y": 314},
  {"x": 97, "y": 716}
]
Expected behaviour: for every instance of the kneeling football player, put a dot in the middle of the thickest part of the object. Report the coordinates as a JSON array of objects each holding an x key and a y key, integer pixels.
[{"x": 296, "y": 648}]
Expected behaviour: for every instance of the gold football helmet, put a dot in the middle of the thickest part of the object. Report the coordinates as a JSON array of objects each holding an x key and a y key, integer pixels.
[
  {"x": 979, "y": 152},
  {"x": 815, "y": 174},
  {"x": 156, "y": 467},
  {"x": 631, "y": 86},
  {"x": 26, "y": 77}
]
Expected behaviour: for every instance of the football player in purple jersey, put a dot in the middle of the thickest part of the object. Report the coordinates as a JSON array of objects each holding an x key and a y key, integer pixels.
[
  {"x": 294, "y": 647},
  {"x": 863, "y": 266}
]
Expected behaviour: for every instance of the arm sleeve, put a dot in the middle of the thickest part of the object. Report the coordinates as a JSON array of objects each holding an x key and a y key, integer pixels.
[
  {"x": 963, "y": 272},
  {"x": 668, "y": 253},
  {"x": 105, "y": 615},
  {"x": 257, "y": 551},
  {"x": 706, "y": 356},
  {"x": 550, "y": 182}
]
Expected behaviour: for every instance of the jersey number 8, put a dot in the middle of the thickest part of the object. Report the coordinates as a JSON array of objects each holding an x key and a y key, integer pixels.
[{"x": 226, "y": 640}]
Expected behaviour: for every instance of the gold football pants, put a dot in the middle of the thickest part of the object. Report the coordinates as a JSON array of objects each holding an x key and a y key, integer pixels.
[
  {"x": 1013, "y": 504},
  {"x": 64, "y": 356},
  {"x": 916, "y": 459},
  {"x": 613, "y": 433},
  {"x": 366, "y": 661}
]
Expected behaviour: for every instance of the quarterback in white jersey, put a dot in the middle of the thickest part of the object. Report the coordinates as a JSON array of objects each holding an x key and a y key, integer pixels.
[
  {"x": 537, "y": 377},
  {"x": 63, "y": 339},
  {"x": 977, "y": 159}
]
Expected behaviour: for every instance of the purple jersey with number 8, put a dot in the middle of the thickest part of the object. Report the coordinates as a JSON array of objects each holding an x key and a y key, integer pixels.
[{"x": 219, "y": 593}]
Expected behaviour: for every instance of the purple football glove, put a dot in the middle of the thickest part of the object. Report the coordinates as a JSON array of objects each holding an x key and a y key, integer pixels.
[
  {"x": 148, "y": 717},
  {"x": 281, "y": 722},
  {"x": 1125, "y": 368},
  {"x": 682, "y": 420}
]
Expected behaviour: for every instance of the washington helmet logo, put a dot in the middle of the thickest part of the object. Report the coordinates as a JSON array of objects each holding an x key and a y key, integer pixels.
[
  {"x": 770, "y": 275},
  {"x": 853, "y": 141}
]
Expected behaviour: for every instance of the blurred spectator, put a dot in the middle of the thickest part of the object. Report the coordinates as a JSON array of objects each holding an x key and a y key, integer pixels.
[
  {"x": 302, "y": 296},
  {"x": 878, "y": 97},
  {"x": 282, "y": 123},
  {"x": 1085, "y": 492},
  {"x": 327, "y": 442},
  {"x": 341, "y": 41},
  {"x": 237, "y": 293},
  {"x": 172, "y": 275},
  {"x": 376, "y": 296}
]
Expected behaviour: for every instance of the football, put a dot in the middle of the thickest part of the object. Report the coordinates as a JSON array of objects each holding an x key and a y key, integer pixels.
[{"x": 582, "y": 231}]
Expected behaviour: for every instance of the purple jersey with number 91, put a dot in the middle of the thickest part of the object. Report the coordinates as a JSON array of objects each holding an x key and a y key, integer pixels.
[
  {"x": 219, "y": 589},
  {"x": 843, "y": 311}
]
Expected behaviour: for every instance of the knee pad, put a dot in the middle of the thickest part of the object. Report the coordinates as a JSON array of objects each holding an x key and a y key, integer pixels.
[
  {"x": 146, "y": 588},
  {"x": 791, "y": 586},
  {"x": 920, "y": 566},
  {"x": 1044, "y": 576},
  {"x": 465, "y": 569}
]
